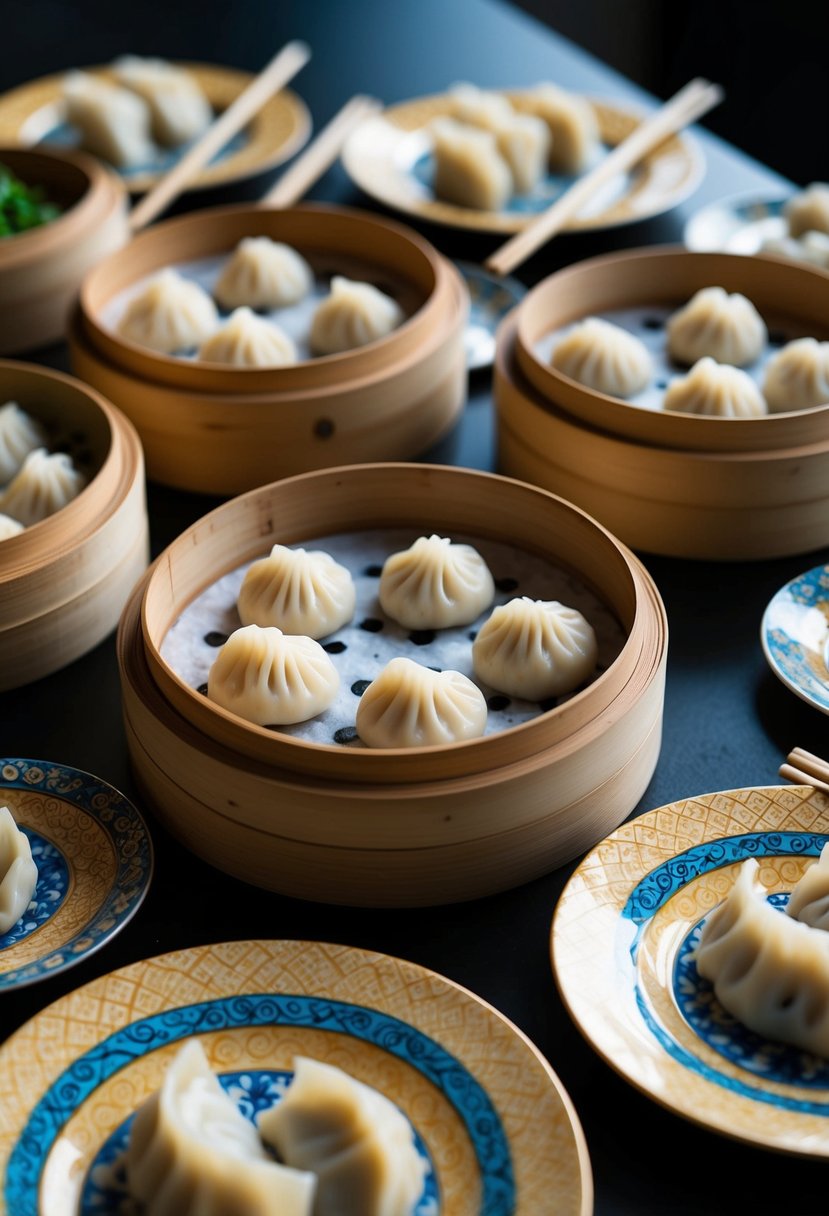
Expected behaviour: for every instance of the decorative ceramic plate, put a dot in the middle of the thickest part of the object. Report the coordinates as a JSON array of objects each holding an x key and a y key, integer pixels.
[
  {"x": 739, "y": 224},
  {"x": 623, "y": 938},
  {"x": 389, "y": 157},
  {"x": 33, "y": 114},
  {"x": 94, "y": 861},
  {"x": 795, "y": 636},
  {"x": 491, "y": 298},
  {"x": 496, "y": 1129}
]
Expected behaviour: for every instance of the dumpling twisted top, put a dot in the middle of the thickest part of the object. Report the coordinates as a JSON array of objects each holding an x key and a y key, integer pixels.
[
  {"x": 797, "y": 378},
  {"x": 352, "y": 315},
  {"x": 727, "y": 327},
  {"x": 272, "y": 678},
  {"x": 412, "y": 706},
  {"x": 169, "y": 314},
  {"x": 246, "y": 340},
  {"x": 44, "y": 484},
  {"x": 19, "y": 435},
  {"x": 715, "y": 389},
  {"x": 604, "y": 357},
  {"x": 263, "y": 274},
  {"x": 298, "y": 592},
  {"x": 435, "y": 584},
  {"x": 535, "y": 649}
]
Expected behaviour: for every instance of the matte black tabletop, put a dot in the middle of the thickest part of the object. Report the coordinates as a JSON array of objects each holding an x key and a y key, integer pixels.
[{"x": 728, "y": 722}]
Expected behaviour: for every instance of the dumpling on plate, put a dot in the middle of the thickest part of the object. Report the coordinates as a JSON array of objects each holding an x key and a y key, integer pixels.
[
  {"x": 113, "y": 123},
  {"x": 572, "y": 122},
  {"x": 469, "y": 168},
  {"x": 522, "y": 139},
  {"x": 179, "y": 109}
]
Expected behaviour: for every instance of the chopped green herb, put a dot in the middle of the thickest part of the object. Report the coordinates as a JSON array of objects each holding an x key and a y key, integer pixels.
[{"x": 21, "y": 206}]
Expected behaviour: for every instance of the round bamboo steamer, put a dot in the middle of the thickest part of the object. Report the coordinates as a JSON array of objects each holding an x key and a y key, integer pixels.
[
  {"x": 218, "y": 429},
  {"x": 707, "y": 505},
  {"x": 405, "y": 827},
  {"x": 788, "y": 295},
  {"x": 41, "y": 270},
  {"x": 63, "y": 582}
]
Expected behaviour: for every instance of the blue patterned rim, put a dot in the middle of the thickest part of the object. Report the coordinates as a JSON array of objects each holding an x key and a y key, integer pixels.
[
  {"x": 694, "y": 996},
  {"x": 132, "y": 847},
  {"x": 788, "y": 657},
  {"x": 90, "y": 1070}
]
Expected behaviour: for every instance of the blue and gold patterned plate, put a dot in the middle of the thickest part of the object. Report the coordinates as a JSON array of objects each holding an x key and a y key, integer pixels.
[
  {"x": 623, "y": 938},
  {"x": 94, "y": 860},
  {"x": 795, "y": 636},
  {"x": 496, "y": 1129},
  {"x": 491, "y": 298}
]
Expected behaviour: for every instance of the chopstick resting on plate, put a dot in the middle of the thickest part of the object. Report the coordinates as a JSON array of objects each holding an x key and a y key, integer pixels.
[
  {"x": 804, "y": 768},
  {"x": 689, "y": 104},
  {"x": 282, "y": 68}
]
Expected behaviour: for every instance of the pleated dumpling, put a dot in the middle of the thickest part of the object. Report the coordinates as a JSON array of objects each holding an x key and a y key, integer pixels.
[
  {"x": 44, "y": 484},
  {"x": 359, "y": 1145},
  {"x": 9, "y": 527},
  {"x": 169, "y": 314},
  {"x": 769, "y": 971},
  {"x": 352, "y": 315},
  {"x": 715, "y": 389},
  {"x": 535, "y": 649},
  {"x": 20, "y": 434},
  {"x": 435, "y": 584},
  {"x": 18, "y": 872},
  {"x": 179, "y": 109},
  {"x": 522, "y": 139},
  {"x": 808, "y": 211},
  {"x": 113, "y": 123},
  {"x": 809, "y": 901},
  {"x": 726, "y": 327},
  {"x": 247, "y": 340},
  {"x": 272, "y": 678},
  {"x": 409, "y": 705},
  {"x": 263, "y": 274},
  {"x": 469, "y": 169},
  {"x": 604, "y": 357},
  {"x": 571, "y": 119},
  {"x": 797, "y": 378},
  {"x": 298, "y": 592},
  {"x": 192, "y": 1152}
]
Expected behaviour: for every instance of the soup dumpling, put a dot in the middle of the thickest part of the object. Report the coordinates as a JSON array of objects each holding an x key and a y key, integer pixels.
[
  {"x": 572, "y": 122},
  {"x": 9, "y": 527},
  {"x": 179, "y": 109},
  {"x": 353, "y": 315},
  {"x": 726, "y": 327},
  {"x": 604, "y": 357},
  {"x": 409, "y": 705},
  {"x": 271, "y": 678},
  {"x": 113, "y": 123},
  {"x": 535, "y": 649},
  {"x": 169, "y": 314},
  {"x": 44, "y": 484},
  {"x": 20, "y": 434},
  {"x": 469, "y": 169},
  {"x": 435, "y": 584},
  {"x": 299, "y": 592},
  {"x": 797, "y": 378},
  {"x": 263, "y": 274},
  {"x": 715, "y": 389},
  {"x": 522, "y": 139},
  {"x": 247, "y": 340},
  {"x": 808, "y": 211}
]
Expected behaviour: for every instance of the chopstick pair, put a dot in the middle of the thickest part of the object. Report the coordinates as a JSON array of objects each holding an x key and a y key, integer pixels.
[
  {"x": 685, "y": 107},
  {"x": 804, "y": 768}
]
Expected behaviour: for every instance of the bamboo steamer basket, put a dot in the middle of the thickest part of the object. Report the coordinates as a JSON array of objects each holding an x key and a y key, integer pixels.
[
  {"x": 64, "y": 581},
  {"x": 398, "y": 826},
  {"x": 788, "y": 296},
  {"x": 720, "y": 506},
  {"x": 41, "y": 270},
  {"x": 220, "y": 429}
]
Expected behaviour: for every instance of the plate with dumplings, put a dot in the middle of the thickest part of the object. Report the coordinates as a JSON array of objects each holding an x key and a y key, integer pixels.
[
  {"x": 76, "y": 860},
  {"x": 794, "y": 226},
  {"x": 795, "y": 636},
  {"x": 140, "y": 115},
  {"x": 691, "y": 948},
  {"x": 439, "y": 1105},
  {"x": 491, "y": 160}
]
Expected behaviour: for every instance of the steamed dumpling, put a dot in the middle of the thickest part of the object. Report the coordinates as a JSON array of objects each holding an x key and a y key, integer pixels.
[
  {"x": 44, "y": 484},
  {"x": 247, "y": 340},
  {"x": 435, "y": 584},
  {"x": 298, "y": 592},
  {"x": 169, "y": 314},
  {"x": 811, "y": 247},
  {"x": 356, "y": 1142},
  {"x": 9, "y": 527},
  {"x": 469, "y": 169},
  {"x": 809, "y": 901},
  {"x": 352, "y": 315},
  {"x": 572, "y": 122},
  {"x": 19, "y": 435},
  {"x": 535, "y": 649},
  {"x": 808, "y": 211},
  {"x": 263, "y": 274},
  {"x": 18, "y": 872},
  {"x": 179, "y": 109},
  {"x": 715, "y": 389},
  {"x": 271, "y": 678},
  {"x": 192, "y": 1152},
  {"x": 113, "y": 122},
  {"x": 412, "y": 706},
  {"x": 797, "y": 378},
  {"x": 727, "y": 327},
  {"x": 604, "y": 357},
  {"x": 522, "y": 139}
]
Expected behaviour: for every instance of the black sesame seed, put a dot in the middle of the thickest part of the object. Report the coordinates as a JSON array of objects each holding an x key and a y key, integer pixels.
[
  {"x": 473, "y": 633},
  {"x": 506, "y": 584},
  {"x": 422, "y": 637},
  {"x": 345, "y": 734},
  {"x": 653, "y": 323},
  {"x": 663, "y": 384},
  {"x": 359, "y": 687},
  {"x": 371, "y": 625},
  {"x": 497, "y": 702},
  {"x": 202, "y": 688},
  {"x": 215, "y": 639},
  {"x": 373, "y": 571},
  {"x": 334, "y": 647}
]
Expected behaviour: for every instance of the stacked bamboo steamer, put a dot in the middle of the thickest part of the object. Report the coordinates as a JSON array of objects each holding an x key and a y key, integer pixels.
[
  {"x": 64, "y": 581},
  {"x": 400, "y": 826},
  {"x": 42, "y": 269},
  {"x": 668, "y": 483},
  {"x": 221, "y": 429}
]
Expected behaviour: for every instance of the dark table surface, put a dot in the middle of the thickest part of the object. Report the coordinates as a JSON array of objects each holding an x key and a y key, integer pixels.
[{"x": 728, "y": 722}]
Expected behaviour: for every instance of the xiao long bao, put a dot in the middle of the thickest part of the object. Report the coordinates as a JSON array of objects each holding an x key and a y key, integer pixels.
[
  {"x": 797, "y": 378},
  {"x": 263, "y": 274},
  {"x": 169, "y": 314},
  {"x": 409, "y": 705},
  {"x": 271, "y": 678},
  {"x": 44, "y": 485},
  {"x": 353, "y": 315},
  {"x": 604, "y": 357},
  {"x": 808, "y": 211},
  {"x": 535, "y": 649},
  {"x": 726, "y": 327},
  {"x": 717, "y": 390},
  {"x": 19, "y": 435},
  {"x": 435, "y": 584},
  {"x": 297, "y": 591},
  {"x": 247, "y": 340}
]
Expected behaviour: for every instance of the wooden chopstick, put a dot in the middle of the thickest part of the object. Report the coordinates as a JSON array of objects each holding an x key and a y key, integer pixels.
[
  {"x": 320, "y": 153},
  {"x": 804, "y": 768},
  {"x": 690, "y": 103},
  {"x": 282, "y": 68}
]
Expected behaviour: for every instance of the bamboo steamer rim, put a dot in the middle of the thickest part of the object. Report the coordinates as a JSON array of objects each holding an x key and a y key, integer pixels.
[
  {"x": 737, "y": 272},
  {"x": 101, "y": 194},
  {"x": 618, "y": 685},
  {"x": 40, "y": 541},
  {"x": 321, "y": 369}
]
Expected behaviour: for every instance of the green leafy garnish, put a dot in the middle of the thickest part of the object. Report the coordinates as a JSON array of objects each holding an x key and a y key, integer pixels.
[{"x": 22, "y": 207}]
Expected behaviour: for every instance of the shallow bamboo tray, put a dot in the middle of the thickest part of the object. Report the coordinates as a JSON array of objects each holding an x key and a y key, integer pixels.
[
  {"x": 415, "y": 826},
  {"x": 64, "y": 581},
  {"x": 708, "y": 505},
  {"x": 786, "y": 294},
  {"x": 219, "y": 429},
  {"x": 42, "y": 269}
]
